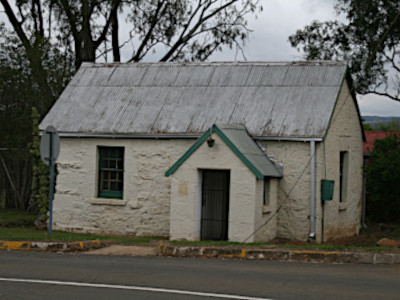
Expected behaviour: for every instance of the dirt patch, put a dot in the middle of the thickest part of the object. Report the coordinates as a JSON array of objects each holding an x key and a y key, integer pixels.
[
  {"x": 125, "y": 251},
  {"x": 370, "y": 236}
]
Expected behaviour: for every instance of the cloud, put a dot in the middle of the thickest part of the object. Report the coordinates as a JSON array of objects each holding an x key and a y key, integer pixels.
[{"x": 375, "y": 105}]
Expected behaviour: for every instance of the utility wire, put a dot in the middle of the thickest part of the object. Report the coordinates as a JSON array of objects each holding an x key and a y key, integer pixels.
[
  {"x": 331, "y": 123},
  {"x": 283, "y": 202}
]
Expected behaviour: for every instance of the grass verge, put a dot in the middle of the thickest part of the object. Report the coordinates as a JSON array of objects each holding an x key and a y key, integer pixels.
[
  {"x": 13, "y": 217},
  {"x": 17, "y": 226},
  {"x": 33, "y": 234}
]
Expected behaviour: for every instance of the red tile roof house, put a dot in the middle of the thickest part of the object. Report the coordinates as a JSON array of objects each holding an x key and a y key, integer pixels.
[{"x": 372, "y": 136}]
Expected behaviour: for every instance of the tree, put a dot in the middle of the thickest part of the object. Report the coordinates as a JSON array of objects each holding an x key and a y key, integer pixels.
[
  {"x": 14, "y": 157},
  {"x": 390, "y": 126},
  {"x": 369, "y": 40},
  {"x": 182, "y": 29},
  {"x": 20, "y": 91},
  {"x": 189, "y": 30},
  {"x": 383, "y": 175},
  {"x": 50, "y": 39},
  {"x": 81, "y": 20}
]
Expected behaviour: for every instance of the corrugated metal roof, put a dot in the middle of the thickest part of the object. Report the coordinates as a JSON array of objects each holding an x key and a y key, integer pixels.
[
  {"x": 238, "y": 140},
  {"x": 269, "y": 99},
  {"x": 238, "y": 135}
]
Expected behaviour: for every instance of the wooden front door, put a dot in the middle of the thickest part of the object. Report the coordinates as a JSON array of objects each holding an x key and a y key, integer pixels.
[{"x": 215, "y": 205}]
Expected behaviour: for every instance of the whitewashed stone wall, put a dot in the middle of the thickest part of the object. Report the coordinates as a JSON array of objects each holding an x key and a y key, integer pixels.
[
  {"x": 144, "y": 209},
  {"x": 292, "y": 220},
  {"x": 341, "y": 219},
  {"x": 154, "y": 205},
  {"x": 265, "y": 213},
  {"x": 186, "y": 193}
]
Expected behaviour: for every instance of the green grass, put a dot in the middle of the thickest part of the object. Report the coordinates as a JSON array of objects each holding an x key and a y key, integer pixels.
[
  {"x": 33, "y": 234},
  {"x": 12, "y": 217},
  {"x": 17, "y": 226}
]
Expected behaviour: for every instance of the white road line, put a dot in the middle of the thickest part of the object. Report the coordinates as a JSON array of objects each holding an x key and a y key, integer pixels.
[{"x": 128, "y": 287}]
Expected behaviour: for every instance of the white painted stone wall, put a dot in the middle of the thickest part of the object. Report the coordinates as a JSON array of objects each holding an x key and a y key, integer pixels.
[
  {"x": 186, "y": 193},
  {"x": 266, "y": 213},
  {"x": 292, "y": 221},
  {"x": 154, "y": 205},
  {"x": 341, "y": 219},
  {"x": 144, "y": 209}
]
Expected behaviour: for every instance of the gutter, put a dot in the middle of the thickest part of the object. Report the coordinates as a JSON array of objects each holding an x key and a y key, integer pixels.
[
  {"x": 312, "y": 199},
  {"x": 173, "y": 136},
  {"x": 128, "y": 136}
]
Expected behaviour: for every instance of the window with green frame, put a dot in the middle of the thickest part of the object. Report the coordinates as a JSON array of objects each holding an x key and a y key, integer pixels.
[{"x": 111, "y": 172}]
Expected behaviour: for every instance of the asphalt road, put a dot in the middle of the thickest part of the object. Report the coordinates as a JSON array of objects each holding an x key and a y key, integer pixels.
[{"x": 33, "y": 275}]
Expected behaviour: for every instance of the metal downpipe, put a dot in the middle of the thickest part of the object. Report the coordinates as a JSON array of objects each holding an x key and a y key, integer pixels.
[{"x": 312, "y": 200}]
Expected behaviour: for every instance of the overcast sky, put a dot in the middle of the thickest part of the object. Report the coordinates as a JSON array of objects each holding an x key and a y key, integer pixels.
[{"x": 269, "y": 41}]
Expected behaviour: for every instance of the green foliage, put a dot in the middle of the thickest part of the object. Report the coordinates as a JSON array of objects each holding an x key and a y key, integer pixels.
[
  {"x": 391, "y": 126},
  {"x": 369, "y": 41},
  {"x": 50, "y": 39},
  {"x": 32, "y": 74},
  {"x": 33, "y": 234},
  {"x": 189, "y": 30},
  {"x": 12, "y": 217},
  {"x": 367, "y": 127},
  {"x": 17, "y": 93},
  {"x": 40, "y": 173},
  {"x": 383, "y": 178}
]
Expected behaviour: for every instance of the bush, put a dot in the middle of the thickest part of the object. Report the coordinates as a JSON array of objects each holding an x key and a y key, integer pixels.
[{"x": 383, "y": 180}]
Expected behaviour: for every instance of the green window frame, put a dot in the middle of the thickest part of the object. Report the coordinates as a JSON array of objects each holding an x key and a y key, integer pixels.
[{"x": 111, "y": 172}]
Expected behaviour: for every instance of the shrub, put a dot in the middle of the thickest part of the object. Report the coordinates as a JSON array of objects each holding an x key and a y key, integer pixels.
[{"x": 383, "y": 180}]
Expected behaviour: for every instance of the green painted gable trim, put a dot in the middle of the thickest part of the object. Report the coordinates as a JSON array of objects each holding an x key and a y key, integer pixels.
[
  {"x": 238, "y": 153},
  {"x": 185, "y": 156},
  {"x": 201, "y": 140}
]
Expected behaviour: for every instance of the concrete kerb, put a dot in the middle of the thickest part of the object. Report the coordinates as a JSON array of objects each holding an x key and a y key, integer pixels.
[
  {"x": 50, "y": 246},
  {"x": 315, "y": 256},
  {"x": 269, "y": 254}
]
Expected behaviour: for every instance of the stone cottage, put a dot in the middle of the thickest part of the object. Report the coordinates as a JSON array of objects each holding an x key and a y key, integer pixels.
[{"x": 236, "y": 151}]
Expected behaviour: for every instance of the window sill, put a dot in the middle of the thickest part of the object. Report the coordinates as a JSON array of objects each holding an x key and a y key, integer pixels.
[
  {"x": 266, "y": 209},
  {"x": 342, "y": 206},
  {"x": 108, "y": 201}
]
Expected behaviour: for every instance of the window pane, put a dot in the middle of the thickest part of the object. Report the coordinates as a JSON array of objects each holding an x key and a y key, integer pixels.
[
  {"x": 112, "y": 164},
  {"x": 113, "y": 186},
  {"x": 104, "y": 187},
  {"x": 111, "y": 180},
  {"x": 111, "y": 153},
  {"x": 104, "y": 164}
]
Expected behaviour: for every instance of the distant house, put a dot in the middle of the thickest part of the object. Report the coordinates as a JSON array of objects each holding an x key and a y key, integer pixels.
[
  {"x": 371, "y": 137},
  {"x": 202, "y": 151}
]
